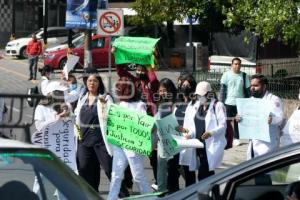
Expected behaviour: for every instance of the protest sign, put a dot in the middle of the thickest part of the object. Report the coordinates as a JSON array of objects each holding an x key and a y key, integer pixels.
[
  {"x": 170, "y": 140},
  {"x": 71, "y": 62},
  {"x": 138, "y": 50},
  {"x": 254, "y": 113},
  {"x": 59, "y": 138},
  {"x": 291, "y": 131},
  {"x": 129, "y": 129}
]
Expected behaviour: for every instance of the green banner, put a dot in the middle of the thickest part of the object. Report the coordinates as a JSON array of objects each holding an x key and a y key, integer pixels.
[
  {"x": 138, "y": 50},
  {"x": 129, "y": 129}
]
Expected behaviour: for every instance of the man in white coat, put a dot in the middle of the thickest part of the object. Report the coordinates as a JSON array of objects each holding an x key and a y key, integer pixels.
[{"x": 258, "y": 89}]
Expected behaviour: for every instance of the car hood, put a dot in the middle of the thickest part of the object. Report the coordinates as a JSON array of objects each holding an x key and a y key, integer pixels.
[
  {"x": 56, "y": 48},
  {"x": 20, "y": 41}
]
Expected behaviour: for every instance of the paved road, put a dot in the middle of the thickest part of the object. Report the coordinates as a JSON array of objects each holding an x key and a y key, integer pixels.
[{"x": 13, "y": 79}]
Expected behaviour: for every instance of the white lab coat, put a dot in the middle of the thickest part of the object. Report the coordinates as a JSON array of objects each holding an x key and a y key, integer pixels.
[
  {"x": 261, "y": 147},
  {"x": 80, "y": 103},
  {"x": 215, "y": 122}
]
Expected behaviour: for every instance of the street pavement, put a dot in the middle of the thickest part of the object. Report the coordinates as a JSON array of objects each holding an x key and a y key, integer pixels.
[{"x": 13, "y": 79}]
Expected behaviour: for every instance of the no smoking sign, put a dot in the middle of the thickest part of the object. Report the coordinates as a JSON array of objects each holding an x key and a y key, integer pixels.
[{"x": 110, "y": 22}]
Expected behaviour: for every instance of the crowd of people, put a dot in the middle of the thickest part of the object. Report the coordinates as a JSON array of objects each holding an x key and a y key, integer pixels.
[{"x": 200, "y": 113}]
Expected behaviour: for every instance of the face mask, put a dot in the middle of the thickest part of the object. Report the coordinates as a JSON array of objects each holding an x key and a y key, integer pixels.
[
  {"x": 256, "y": 94},
  {"x": 202, "y": 99},
  {"x": 186, "y": 91},
  {"x": 142, "y": 76},
  {"x": 73, "y": 87}
]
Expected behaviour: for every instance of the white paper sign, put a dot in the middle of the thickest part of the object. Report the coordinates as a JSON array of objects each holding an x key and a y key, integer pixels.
[
  {"x": 71, "y": 62},
  {"x": 187, "y": 143},
  {"x": 59, "y": 138},
  {"x": 291, "y": 131}
]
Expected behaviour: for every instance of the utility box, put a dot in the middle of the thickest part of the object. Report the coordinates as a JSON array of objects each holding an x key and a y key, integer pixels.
[
  {"x": 200, "y": 55},
  {"x": 190, "y": 57}
]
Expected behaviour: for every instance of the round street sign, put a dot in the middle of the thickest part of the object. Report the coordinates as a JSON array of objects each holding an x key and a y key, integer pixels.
[{"x": 110, "y": 22}]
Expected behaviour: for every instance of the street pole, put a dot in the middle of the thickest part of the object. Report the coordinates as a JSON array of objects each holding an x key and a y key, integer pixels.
[
  {"x": 103, "y": 4},
  {"x": 87, "y": 48},
  {"x": 13, "y": 23},
  {"x": 45, "y": 22}
]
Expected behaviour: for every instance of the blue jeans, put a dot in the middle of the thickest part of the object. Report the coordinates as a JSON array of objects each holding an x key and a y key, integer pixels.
[{"x": 33, "y": 62}]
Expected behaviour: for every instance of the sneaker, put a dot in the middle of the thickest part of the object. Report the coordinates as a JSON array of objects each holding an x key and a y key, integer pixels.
[
  {"x": 236, "y": 142},
  {"x": 154, "y": 187}
]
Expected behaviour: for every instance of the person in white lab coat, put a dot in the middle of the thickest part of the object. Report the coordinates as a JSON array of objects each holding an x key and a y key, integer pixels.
[
  {"x": 258, "y": 89},
  {"x": 205, "y": 119}
]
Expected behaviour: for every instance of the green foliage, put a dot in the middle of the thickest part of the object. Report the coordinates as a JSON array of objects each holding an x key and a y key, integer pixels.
[{"x": 268, "y": 19}]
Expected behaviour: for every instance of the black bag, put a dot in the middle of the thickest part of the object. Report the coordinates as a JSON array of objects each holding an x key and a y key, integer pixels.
[{"x": 32, "y": 91}]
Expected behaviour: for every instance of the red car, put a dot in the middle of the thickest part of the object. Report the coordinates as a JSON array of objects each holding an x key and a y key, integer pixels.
[{"x": 100, "y": 49}]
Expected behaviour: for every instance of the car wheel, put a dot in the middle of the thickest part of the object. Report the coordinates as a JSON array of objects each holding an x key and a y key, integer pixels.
[
  {"x": 62, "y": 63},
  {"x": 23, "y": 53}
]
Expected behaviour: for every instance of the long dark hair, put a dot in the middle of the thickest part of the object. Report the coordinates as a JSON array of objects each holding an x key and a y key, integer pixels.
[
  {"x": 93, "y": 72},
  {"x": 170, "y": 86}
]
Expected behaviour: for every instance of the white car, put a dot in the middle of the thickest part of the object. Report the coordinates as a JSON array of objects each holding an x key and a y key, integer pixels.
[
  {"x": 56, "y": 35},
  {"x": 78, "y": 40}
]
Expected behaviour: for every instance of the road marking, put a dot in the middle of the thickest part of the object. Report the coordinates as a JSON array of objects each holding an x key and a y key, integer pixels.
[{"x": 13, "y": 72}]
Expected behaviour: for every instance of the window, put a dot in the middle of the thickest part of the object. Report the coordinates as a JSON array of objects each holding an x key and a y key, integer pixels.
[{"x": 98, "y": 43}]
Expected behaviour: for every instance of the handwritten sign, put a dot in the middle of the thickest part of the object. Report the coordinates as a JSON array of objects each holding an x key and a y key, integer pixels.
[
  {"x": 59, "y": 138},
  {"x": 254, "y": 113},
  {"x": 137, "y": 50},
  {"x": 291, "y": 131},
  {"x": 167, "y": 145},
  {"x": 129, "y": 129}
]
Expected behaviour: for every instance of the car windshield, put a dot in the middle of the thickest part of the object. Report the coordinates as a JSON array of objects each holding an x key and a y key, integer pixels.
[
  {"x": 73, "y": 38},
  {"x": 36, "y": 32},
  {"x": 37, "y": 175}
]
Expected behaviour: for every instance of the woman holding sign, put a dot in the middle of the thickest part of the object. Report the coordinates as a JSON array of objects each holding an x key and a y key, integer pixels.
[
  {"x": 205, "y": 119},
  {"x": 129, "y": 98}
]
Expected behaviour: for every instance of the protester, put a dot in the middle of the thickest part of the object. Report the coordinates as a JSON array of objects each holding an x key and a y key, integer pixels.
[
  {"x": 186, "y": 88},
  {"x": 73, "y": 92},
  {"x": 167, "y": 168},
  {"x": 46, "y": 77},
  {"x": 258, "y": 89},
  {"x": 205, "y": 119},
  {"x": 91, "y": 150},
  {"x": 234, "y": 84},
  {"x": 34, "y": 49},
  {"x": 129, "y": 98},
  {"x": 49, "y": 110}
]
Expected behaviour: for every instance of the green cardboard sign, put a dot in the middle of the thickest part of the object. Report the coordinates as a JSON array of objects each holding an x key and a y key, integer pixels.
[
  {"x": 129, "y": 129},
  {"x": 138, "y": 50}
]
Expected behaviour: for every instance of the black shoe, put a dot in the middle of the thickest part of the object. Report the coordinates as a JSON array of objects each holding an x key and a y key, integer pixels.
[
  {"x": 30, "y": 79},
  {"x": 34, "y": 79}
]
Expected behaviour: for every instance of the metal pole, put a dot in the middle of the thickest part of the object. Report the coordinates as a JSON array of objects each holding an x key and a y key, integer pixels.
[
  {"x": 45, "y": 22},
  {"x": 13, "y": 23},
  {"x": 87, "y": 49},
  {"x": 109, "y": 66}
]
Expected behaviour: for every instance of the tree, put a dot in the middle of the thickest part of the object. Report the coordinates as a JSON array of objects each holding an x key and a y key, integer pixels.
[{"x": 267, "y": 19}]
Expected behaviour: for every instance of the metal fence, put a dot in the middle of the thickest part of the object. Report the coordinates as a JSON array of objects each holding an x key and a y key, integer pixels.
[{"x": 284, "y": 87}]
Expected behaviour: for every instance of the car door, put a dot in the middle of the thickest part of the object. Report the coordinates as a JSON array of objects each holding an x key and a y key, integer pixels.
[{"x": 99, "y": 52}]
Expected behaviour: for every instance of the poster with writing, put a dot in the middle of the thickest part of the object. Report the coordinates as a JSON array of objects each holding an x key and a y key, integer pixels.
[
  {"x": 129, "y": 129},
  {"x": 138, "y": 50},
  {"x": 71, "y": 62},
  {"x": 59, "y": 138},
  {"x": 291, "y": 131},
  {"x": 254, "y": 113}
]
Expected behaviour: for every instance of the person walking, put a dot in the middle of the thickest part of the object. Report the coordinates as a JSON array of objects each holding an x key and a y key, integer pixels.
[
  {"x": 129, "y": 98},
  {"x": 205, "y": 119},
  {"x": 234, "y": 84},
  {"x": 258, "y": 89},
  {"x": 33, "y": 50}
]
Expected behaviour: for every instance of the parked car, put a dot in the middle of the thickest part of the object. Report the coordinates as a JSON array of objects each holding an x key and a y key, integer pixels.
[
  {"x": 100, "y": 49},
  {"x": 56, "y": 35},
  {"x": 78, "y": 40},
  {"x": 21, "y": 164},
  {"x": 265, "y": 177}
]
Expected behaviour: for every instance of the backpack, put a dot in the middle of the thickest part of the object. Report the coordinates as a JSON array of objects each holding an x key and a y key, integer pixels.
[{"x": 229, "y": 130}]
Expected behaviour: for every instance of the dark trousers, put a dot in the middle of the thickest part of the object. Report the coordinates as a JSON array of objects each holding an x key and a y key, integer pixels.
[
  {"x": 231, "y": 113},
  {"x": 89, "y": 161},
  {"x": 153, "y": 163},
  {"x": 173, "y": 174},
  {"x": 203, "y": 170},
  {"x": 33, "y": 62},
  {"x": 189, "y": 176}
]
